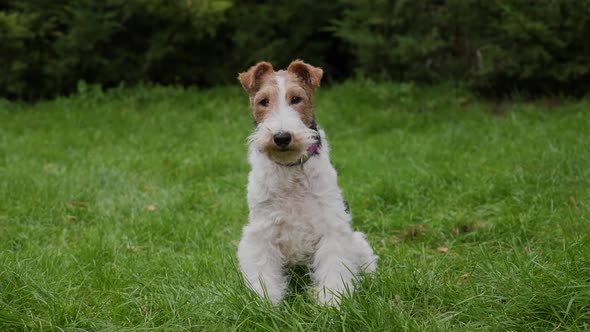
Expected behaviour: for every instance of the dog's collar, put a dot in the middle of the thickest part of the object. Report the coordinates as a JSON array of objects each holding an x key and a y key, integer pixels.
[{"x": 311, "y": 151}]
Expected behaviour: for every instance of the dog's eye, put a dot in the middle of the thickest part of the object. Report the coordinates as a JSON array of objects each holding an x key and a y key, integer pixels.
[
  {"x": 295, "y": 100},
  {"x": 263, "y": 102}
]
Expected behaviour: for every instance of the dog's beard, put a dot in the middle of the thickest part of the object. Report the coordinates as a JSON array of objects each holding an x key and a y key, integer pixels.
[{"x": 301, "y": 140}]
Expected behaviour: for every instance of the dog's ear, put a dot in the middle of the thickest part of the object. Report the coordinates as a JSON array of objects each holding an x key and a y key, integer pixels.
[
  {"x": 251, "y": 79},
  {"x": 310, "y": 75}
]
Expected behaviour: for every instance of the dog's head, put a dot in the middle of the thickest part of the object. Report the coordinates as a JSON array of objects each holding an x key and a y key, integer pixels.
[{"x": 282, "y": 107}]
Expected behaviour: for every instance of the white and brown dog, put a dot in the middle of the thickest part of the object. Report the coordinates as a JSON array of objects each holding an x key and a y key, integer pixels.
[{"x": 297, "y": 214}]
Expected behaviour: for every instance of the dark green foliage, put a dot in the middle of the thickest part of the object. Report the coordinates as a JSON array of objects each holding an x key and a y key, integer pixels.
[
  {"x": 497, "y": 46},
  {"x": 47, "y": 46},
  {"x": 14, "y": 32},
  {"x": 53, "y": 44},
  {"x": 539, "y": 46},
  {"x": 392, "y": 39},
  {"x": 23, "y": 53},
  {"x": 281, "y": 31}
]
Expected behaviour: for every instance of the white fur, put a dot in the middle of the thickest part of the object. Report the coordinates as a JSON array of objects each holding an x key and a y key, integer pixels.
[{"x": 297, "y": 216}]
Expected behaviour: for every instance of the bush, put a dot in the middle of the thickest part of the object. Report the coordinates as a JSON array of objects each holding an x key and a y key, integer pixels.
[
  {"x": 47, "y": 46},
  {"x": 14, "y": 33},
  {"x": 107, "y": 42},
  {"x": 392, "y": 39},
  {"x": 21, "y": 52},
  {"x": 497, "y": 46},
  {"x": 540, "y": 47},
  {"x": 281, "y": 31},
  {"x": 168, "y": 42}
]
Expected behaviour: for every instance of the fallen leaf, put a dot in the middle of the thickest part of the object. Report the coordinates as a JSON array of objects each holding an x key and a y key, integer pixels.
[
  {"x": 443, "y": 250},
  {"x": 574, "y": 202},
  {"x": 77, "y": 204},
  {"x": 463, "y": 278},
  {"x": 134, "y": 248},
  {"x": 54, "y": 169}
]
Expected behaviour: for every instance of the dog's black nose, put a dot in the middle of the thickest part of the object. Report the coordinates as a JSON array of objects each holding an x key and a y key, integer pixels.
[{"x": 282, "y": 139}]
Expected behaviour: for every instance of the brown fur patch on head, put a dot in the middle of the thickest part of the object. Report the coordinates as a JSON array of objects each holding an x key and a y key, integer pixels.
[
  {"x": 252, "y": 79},
  {"x": 268, "y": 90},
  {"x": 308, "y": 74},
  {"x": 301, "y": 79},
  {"x": 295, "y": 87}
]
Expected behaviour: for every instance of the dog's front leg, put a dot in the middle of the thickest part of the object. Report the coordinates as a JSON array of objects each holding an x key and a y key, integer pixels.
[
  {"x": 262, "y": 266},
  {"x": 334, "y": 267},
  {"x": 339, "y": 258}
]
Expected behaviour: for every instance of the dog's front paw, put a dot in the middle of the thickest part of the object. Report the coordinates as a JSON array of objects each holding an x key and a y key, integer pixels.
[
  {"x": 273, "y": 293},
  {"x": 326, "y": 297}
]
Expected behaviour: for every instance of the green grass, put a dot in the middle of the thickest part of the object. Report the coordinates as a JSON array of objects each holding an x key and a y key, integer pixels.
[{"x": 121, "y": 211}]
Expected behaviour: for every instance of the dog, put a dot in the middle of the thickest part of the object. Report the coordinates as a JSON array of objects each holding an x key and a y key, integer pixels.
[{"x": 296, "y": 212}]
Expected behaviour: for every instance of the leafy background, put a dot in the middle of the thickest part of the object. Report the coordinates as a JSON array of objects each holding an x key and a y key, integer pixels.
[{"x": 496, "y": 47}]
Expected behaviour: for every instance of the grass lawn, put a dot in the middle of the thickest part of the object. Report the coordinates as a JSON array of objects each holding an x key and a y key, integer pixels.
[{"x": 122, "y": 211}]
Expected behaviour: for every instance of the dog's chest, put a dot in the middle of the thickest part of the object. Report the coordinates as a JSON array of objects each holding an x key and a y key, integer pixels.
[
  {"x": 295, "y": 229},
  {"x": 296, "y": 240}
]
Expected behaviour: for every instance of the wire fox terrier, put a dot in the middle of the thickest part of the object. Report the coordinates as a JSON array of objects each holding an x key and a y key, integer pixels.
[{"x": 297, "y": 214}]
